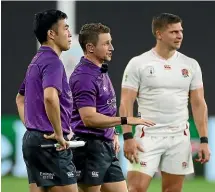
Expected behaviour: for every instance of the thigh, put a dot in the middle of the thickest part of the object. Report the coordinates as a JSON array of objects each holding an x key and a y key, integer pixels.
[
  {"x": 66, "y": 188},
  {"x": 115, "y": 186},
  {"x": 33, "y": 188},
  {"x": 91, "y": 162},
  {"x": 178, "y": 157},
  {"x": 149, "y": 160},
  {"x": 114, "y": 172},
  {"x": 89, "y": 188},
  {"x": 171, "y": 182},
  {"x": 48, "y": 167},
  {"x": 138, "y": 182}
]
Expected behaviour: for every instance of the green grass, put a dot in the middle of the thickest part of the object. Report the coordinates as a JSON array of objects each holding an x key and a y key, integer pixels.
[{"x": 11, "y": 184}]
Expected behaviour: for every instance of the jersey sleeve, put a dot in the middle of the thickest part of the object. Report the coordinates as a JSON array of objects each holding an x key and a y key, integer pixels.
[
  {"x": 84, "y": 90},
  {"x": 22, "y": 88},
  {"x": 196, "y": 81},
  {"x": 52, "y": 75},
  {"x": 131, "y": 78}
]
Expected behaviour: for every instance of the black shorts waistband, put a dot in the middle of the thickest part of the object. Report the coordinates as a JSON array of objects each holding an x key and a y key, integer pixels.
[{"x": 44, "y": 132}]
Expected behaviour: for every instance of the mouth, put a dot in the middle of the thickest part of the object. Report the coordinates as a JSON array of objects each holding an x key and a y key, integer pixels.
[{"x": 109, "y": 54}]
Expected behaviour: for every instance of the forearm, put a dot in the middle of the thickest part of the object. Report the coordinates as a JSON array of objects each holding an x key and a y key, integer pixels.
[
  {"x": 52, "y": 108},
  {"x": 97, "y": 120},
  {"x": 20, "y": 107},
  {"x": 126, "y": 110},
  {"x": 20, "y": 103},
  {"x": 200, "y": 115}
]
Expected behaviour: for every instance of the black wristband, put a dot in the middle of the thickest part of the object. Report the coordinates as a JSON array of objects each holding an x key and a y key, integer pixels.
[
  {"x": 128, "y": 135},
  {"x": 203, "y": 140},
  {"x": 124, "y": 121}
]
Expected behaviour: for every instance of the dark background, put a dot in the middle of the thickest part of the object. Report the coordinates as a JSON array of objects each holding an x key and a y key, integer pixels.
[{"x": 130, "y": 24}]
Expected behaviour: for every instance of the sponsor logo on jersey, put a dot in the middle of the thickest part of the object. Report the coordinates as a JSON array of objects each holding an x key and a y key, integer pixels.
[{"x": 167, "y": 67}]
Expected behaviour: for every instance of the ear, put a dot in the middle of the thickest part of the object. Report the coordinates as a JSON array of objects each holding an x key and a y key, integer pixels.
[
  {"x": 158, "y": 34},
  {"x": 90, "y": 47},
  {"x": 51, "y": 34}
]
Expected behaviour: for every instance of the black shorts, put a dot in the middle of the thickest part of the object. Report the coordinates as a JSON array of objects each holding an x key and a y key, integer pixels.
[
  {"x": 96, "y": 163},
  {"x": 47, "y": 167}
]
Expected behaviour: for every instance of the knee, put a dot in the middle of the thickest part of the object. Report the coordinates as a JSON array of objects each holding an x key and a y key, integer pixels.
[
  {"x": 136, "y": 188},
  {"x": 174, "y": 188}
]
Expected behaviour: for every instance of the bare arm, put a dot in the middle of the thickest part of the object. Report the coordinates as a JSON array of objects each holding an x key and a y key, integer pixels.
[
  {"x": 128, "y": 97},
  {"x": 52, "y": 106},
  {"x": 91, "y": 118},
  {"x": 199, "y": 109},
  {"x": 20, "y": 106}
]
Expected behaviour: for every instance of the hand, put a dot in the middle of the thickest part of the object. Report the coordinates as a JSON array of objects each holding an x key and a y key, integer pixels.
[
  {"x": 139, "y": 121},
  {"x": 131, "y": 148},
  {"x": 204, "y": 153},
  {"x": 116, "y": 143},
  {"x": 60, "y": 139}
]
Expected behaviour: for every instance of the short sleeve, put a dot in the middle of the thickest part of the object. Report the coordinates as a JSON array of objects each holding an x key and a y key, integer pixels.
[
  {"x": 22, "y": 88},
  {"x": 196, "y": 81},
  {"x": 131, "y": 75},
  {"x": 84, "y": 90},
  {"x": 52, "y": 75}
]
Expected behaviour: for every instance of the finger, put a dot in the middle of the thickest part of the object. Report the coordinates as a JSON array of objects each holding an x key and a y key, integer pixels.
[
  {"x": 130, "y": 158},
  {"x": 200, "y": 155},
  {"x": 117, "y": 149},
  {"x": 48, "y": 136},
  {"x": 140, "y": 148},
  {"x": 59, "y": 148},
  {"x": 114, "y": 145},
  {"x": 136, "y": 159},
  {"x": 207, "y": 156},
  {"x": 149, "y": 123}
]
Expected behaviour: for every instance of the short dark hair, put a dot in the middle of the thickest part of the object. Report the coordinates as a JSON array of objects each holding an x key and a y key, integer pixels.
[
  {"x": 89, "y": 33},
  {"x": 162, "y": 20},
  {"x": 44, "y": 21}
]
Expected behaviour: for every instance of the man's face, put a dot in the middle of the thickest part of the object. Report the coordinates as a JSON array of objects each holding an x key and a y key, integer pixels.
[
  {"x": 103, "y": 50},
  {"x": 63, "y": 35},
  {"x": 171, "y": 36}
]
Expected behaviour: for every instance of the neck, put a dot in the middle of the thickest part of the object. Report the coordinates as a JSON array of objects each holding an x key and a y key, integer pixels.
[
  {"x": 163, "y": 51},
  {"x": 54, "y": 47},
  {"x": 93, "y": 59}
]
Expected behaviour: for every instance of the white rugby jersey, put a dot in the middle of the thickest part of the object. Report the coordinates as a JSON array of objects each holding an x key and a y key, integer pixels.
[{"x": 163, "y": 89}]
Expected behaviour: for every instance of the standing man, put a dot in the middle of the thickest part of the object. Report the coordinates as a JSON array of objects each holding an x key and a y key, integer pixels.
[
  {"x": 44, "y": 104},
  {"x": 163, "y": 80},
  {"x": 94, "y": 114}
]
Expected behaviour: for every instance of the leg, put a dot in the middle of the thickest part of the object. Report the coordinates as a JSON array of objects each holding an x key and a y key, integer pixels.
[
  {"x": 179, "y": 156},
  {"x": 138, "y": 182},
  {"x": 89, "y": 188},
  {"x": 113, "y": 187},
  {"x": 48, "y": 170},
  {"x": 33, "y": 188},
  {"x": 65, "y": 188},
  {"x": 140, "y": 174},
  {"x": 91, "y": 164},
  {"x": 172, "y": 183}
]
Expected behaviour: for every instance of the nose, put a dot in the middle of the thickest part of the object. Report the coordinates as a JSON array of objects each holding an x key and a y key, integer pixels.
[
  {"x": 111, "y": 48},
  {"x": 180, "y": 35},
  {"x": 69, "y": 34}
]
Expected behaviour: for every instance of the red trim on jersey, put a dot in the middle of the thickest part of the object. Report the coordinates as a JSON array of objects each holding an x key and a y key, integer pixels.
[
  {"x": 143, "y": 133},
  {"x": 185, "y": 129}
]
